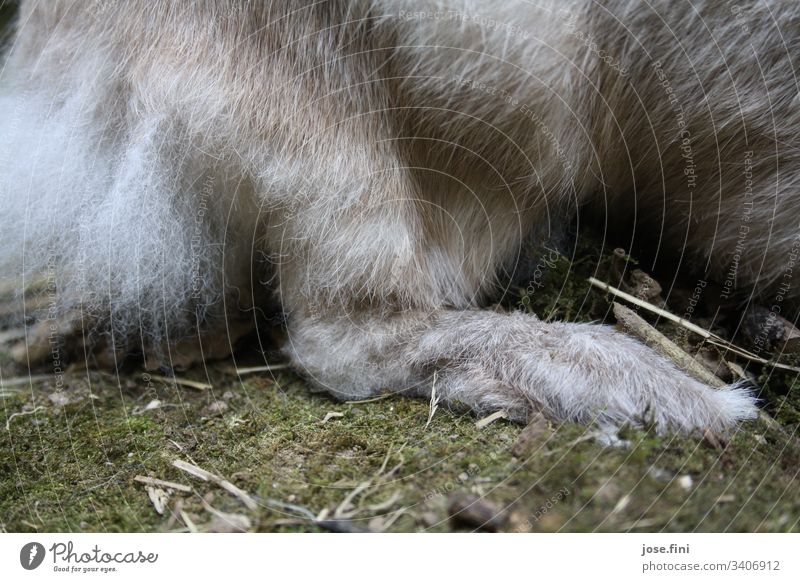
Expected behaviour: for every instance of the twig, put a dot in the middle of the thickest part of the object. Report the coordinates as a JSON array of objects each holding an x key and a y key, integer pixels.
[
  {"x": 712, "y": 338},
  {"x": 655, "y": 339},
  {"x": 189, "y": 523},
  {"x": 243, "y": 496},
  {"x": 637, "y": 326},
  {"x": 256, "y": 369},
  {"x": 650, "y": 307},
  {"x": 159, "y": 483},
  {"x": 182, "y": 382}
]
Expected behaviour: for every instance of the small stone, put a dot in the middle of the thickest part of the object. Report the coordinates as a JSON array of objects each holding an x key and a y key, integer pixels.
[
  {"x": 518, "y": 523},
  {"x": 217, "y": 407},
  {"x": 58, "y": 398},
  {"x": 533, "y": 437},
  {"x": 470, "y": 511},
  {"x": 463, "y": 477},
  {"x": 644, "y": 286},
  {"x": 608, "y": 492},
  {"x": 659, "y": 474},
  {"x": 430, "y": 519},
  {"x": 686, "y": 482}
]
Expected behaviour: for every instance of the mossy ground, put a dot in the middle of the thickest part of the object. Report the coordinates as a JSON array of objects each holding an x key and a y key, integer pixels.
[{"x": 69, "y": 463}]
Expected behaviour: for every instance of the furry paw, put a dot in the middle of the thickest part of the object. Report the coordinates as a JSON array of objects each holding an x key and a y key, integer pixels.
[{"x": 578, "y": 372}]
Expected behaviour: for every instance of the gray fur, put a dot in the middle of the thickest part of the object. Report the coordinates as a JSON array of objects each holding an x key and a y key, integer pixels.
[{"x": 389, "y": 158}]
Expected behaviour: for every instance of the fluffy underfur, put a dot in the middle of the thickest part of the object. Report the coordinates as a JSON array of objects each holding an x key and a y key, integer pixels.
[{"x": 381, "y": 165}]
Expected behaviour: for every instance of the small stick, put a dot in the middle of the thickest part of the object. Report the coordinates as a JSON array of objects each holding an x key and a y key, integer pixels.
[
  {"x": 255, "y": 369},
  {"x": 182, "y": 382},
  {"x": 243, "y": 496},
  {"x": 711, "y": 337},
  {"x": 637, "y": 326},
  {"x": 188, "y": 521},
  {"x": 159, "y": 483},
  {"x": 645, "y": 305}
]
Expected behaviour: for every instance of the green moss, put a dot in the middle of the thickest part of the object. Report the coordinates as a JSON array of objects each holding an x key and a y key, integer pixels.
[{"x": 71, "y": 467}]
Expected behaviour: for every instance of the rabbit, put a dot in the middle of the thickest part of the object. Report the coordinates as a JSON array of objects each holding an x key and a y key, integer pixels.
[{"x": 379, "y": 168}]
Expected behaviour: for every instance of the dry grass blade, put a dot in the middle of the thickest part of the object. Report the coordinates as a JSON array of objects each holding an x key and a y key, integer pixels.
[
  {"x": 26, "y": 413},
  {"x": 182, "y": 382},
  {"x": 376, "y": 399},
  {"x": 346, "y": 509},
  {"x": 196, "y": 471},
  {"x": 434, "y": 403}
]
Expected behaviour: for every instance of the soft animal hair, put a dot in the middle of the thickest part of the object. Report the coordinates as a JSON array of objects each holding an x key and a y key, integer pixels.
[{"x": 384, "y": 164}]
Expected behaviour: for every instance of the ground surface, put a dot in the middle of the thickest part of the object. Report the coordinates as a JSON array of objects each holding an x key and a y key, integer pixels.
[{"x": 69, "y": 456}]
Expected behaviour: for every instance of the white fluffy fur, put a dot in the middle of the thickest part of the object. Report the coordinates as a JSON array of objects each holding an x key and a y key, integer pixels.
[{"x": 389, "y": 158}]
